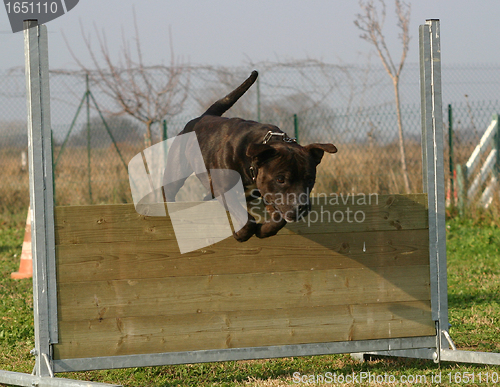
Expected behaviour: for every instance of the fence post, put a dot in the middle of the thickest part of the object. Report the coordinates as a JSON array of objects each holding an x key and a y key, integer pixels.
[
  {"x": 258, "y": 99},
  {"x": 462, "y": 188},
  {"x": 296, "y": 127},
  {"x": 88, "y": 135},
  {"x": 451, "y": 156},
  {"x": 164, "y": 131}
]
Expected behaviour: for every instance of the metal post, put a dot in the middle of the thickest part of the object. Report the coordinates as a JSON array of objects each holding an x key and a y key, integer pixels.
[
  {"x": 89, "y": 94},
  {"x": 88, "y": 135},
  {"x": 432, "y": 137},
  {"x": 63, "y": 145},
  {"x": 296, "y": 127},
  {"x": 258, "y": 99},
  {"x": 41, "y": 194},
  {"x": 451, "y": 156},
  {"x": 164, "y": 132}
]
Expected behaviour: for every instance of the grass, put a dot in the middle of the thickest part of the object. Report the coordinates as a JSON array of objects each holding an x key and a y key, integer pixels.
[
  {"x": 474, "y": 283},
  {"x": 474, "y": 311},
  {"x": 16, "y": 299}
]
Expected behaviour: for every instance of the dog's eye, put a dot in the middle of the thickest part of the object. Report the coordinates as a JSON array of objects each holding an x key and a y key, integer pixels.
[{"x": 280, "y": 179}]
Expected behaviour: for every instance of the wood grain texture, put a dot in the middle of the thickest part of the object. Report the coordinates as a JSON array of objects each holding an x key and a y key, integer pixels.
[
  {"x": 236, "y": 329},
  {"x": 120, "y": 222},
  {"x": 124, "y": 288},
  {"x": 159, "y": 258},
  {"x": 180, "y": 295}
]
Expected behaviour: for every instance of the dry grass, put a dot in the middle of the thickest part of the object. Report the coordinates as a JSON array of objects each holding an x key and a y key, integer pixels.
[
  {"x": 369, "y": 169},
  {"x": 109, "y": 176},
  {"x": 355, "y": 168},
  {"x": 14, "y": 192}
]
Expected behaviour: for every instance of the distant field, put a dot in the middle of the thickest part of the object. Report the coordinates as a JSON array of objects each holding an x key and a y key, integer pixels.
[{"x": 369, "y": 169}]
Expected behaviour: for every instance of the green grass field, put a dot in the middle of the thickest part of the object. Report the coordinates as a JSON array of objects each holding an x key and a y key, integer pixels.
[{"x": 474, "y": 310}]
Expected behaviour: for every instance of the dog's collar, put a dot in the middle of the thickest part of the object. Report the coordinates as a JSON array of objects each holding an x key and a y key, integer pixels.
[{"x": 269, "y": 135}]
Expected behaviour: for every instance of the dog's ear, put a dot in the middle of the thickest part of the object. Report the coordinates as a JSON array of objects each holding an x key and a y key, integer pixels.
[
  {"x": 260, "y": 153},
  {"x": 317, "y": 150}
]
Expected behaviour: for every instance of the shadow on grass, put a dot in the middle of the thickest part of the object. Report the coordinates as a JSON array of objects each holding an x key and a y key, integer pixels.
[{"x": 475, "y": 297}]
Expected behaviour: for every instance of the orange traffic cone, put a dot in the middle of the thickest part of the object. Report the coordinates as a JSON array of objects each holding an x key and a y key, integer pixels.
[{"x": 26, "y": 265}]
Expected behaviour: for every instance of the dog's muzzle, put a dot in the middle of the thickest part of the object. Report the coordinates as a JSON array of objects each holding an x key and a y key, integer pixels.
[{"x": 295, "y": 214}]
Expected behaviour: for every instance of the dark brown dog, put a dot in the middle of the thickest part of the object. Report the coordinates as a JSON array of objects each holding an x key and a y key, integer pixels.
[{"x": 271, "y": 164}]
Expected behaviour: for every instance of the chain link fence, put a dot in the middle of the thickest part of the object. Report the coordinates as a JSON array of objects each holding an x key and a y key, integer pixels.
[{"x": 350, "y": 106}]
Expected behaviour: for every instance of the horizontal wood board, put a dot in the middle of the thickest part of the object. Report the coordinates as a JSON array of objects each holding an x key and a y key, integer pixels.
[
  {"x": 120, "y": 222},
  {"x": 124, "y": 288}
]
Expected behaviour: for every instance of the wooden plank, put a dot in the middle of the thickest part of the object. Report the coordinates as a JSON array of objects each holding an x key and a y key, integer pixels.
[
  {"x": 199, "y": 331},
  {"x": 111, "y": 299},
  {"x": 109, "y": 224},
  {"x": 360, "y": 213},
  {"x": 126, "y": 260},
  {"x": 120, "y": 222}
]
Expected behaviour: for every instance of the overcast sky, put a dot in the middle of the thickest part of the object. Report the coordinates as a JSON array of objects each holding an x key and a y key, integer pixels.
[{"x": 235, "y": 32}]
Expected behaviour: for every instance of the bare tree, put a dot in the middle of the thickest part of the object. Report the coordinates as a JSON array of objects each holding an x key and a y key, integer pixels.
[
  {"x": 371, "y": 23},
  {"x": 147, "y": 93}
]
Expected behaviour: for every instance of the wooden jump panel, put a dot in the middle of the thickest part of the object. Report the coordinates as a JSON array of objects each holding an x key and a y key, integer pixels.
[{"x": 124, "y": 288}]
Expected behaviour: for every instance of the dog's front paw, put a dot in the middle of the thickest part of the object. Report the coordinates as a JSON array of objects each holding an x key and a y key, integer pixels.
[
  {"x": 246, "y": 232},
  {"x": 242, "y": 237}
]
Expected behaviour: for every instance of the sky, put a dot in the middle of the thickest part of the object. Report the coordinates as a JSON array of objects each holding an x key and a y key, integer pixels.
[{"x": 238, "y": 32}]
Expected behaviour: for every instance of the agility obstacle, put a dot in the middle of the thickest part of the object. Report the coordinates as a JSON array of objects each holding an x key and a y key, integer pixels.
[
  {"x": 124, "y": 288},
  {"x": 111, "y": 289}
]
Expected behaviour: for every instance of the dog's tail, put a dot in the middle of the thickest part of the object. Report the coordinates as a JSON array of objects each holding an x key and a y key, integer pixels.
[{"x": 224, "y": 104}]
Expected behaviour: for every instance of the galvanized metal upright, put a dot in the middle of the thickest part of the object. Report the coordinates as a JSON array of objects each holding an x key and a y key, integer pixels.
[
  {"x": 41, "y": 194},
  {"x": 432, "y": 140}
]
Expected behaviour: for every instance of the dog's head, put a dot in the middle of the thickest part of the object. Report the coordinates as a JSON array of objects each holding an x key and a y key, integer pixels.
[{"x": 285, "y": 175}]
